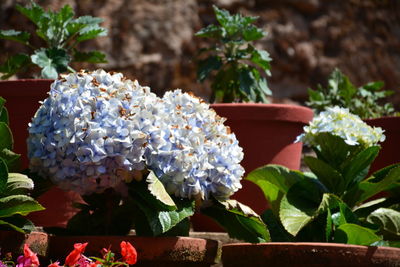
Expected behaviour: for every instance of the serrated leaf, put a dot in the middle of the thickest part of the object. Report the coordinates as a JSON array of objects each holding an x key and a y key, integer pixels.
[
  {"x": 13, "y": 64},
  {"x": 252, "y": 33},
  {"x": 276, "y": 230},
  {"x": 90, "y": 57},
  {"x": 52, "y": 61},
  {"x": 262, "y": 59},
  {"x": 206, "y": 66},
  {"x": 6, "y": 140},
  {"x": 157, "y": 189},
  {"x": 18, "y": 204},
  {"x": 355, "y": 234},
  {"x": 34, "y": 13},
  {"x": 211, "y": 31},
  {"x": 387, "y": 219},
  {"x": 18, "y": 36},
  {"x": 90, "y": 32},
  {"x": 18, "y": 184},
  {"x": 238, "y": 220}
]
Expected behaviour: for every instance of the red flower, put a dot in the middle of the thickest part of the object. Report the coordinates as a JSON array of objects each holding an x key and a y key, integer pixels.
[
  {"x": 128, "y": 252},
  {"x": 76, "y": 254},
  {"x": 55, "y": 264},
  {"x": 29, "y": 259}
]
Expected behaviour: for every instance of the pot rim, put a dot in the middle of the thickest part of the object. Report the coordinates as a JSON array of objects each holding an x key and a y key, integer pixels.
[{"x": 267, "y": 112}]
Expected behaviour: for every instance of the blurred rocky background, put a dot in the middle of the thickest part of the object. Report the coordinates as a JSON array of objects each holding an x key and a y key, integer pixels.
[{"x": 153, "y": 40}]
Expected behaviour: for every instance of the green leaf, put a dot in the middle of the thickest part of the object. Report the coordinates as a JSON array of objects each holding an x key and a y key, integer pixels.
[
  {"x": 206, "y": 66},
  {"x": 17, "y": 223},
  {"x": 358, "y": 167},
  {"x": 13, "y": 64},
  {"x": 90, "y": 32},
  {"x": 90, "y": 57},
  {"x": 52, "y": 61},
  {"x": 223, "y": 16},
  {"x": 301, "y": 204},
  {"x": 331, "y": 178},
  {"x": 6, "y": 140},
  {"x": 387, "y": 219},
  {"x": 18, "y": 184},
  {"x": 274, "y": 181},
  {"x": 262, "y": 59},
  {"x": 13, "y": 160},
  {"x": 3, "y": 176},
  {"x": 355, "y": 234},
  {"x": 35, "y": 13},
  {"x": 238, "y": 220},
  {"x": 252, "y": 33},
  {"x": 4, "y": 115},
  {"x": 368, "y": 188},
  {"x": 278, "y": 233},
  {"x": 21, "y": 37},
  {"x": 18, "y": 204},
  {"x": 157, "y": 190},
  {"x": 211, "y": 31},
  {"x": 163, "y": 221}
]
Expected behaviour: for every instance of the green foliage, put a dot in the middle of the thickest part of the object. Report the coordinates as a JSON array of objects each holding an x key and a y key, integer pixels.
[
  {"x": 237, "y": 68},
  {"x": 362, "y": 101},
  {"x": 15, "y": 203},
  {"x": 61, "y": 32},
  {"x": 331, "y": 203}
]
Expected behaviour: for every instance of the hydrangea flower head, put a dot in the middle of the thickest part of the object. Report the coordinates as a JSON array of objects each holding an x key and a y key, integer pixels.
[
  {"x": 90, "y": 131},
  {"x": 340, "y": 122},
  {"x": 193, "y": 153}
]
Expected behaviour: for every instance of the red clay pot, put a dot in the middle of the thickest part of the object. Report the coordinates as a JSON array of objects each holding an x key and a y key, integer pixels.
[
  {"x": 389, "y": 153},
  {"x": 266, "y": 132},
  {"x": 308, "y": 254},
  {"x": 152, "y": 251},
  {"x": 23, "y": 98}
]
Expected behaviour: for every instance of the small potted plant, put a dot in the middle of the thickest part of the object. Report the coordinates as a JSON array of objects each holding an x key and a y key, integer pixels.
[
  {"x": 15, "y": 201},
  {"x": 332, "y": 203},
  {"x": 238, "y": 71},
  {"x": 139, "y": 161},
  {"x": 60, "y": 33},
  {"x": 364, "y": 101}
]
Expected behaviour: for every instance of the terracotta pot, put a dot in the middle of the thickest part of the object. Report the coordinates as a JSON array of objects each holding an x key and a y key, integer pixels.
[
  {"x": 23, "y": 98},
  {"x": 266, "y": 132},
  {"x": 308, "y": 254},
  {"x": 152, "y": 251},
  {"x": 389, "y": 153},
  {"x": 12, "y": 241}
]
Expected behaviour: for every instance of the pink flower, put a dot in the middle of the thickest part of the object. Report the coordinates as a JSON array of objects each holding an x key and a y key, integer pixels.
[
  {"x": 29, "y": 259},
  {"x": 76, "y": 254},
  {"x": 128, "y": 252}
]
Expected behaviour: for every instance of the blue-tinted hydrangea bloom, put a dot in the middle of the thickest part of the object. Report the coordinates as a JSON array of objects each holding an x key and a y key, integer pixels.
[
  {"x": 89, "y": 134},
  {"x": 340, "y": 122},
  {"x": 193, "y": 152}
]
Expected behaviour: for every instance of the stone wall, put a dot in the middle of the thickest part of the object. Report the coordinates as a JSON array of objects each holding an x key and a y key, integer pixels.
[{"x": 153, "y": 40}]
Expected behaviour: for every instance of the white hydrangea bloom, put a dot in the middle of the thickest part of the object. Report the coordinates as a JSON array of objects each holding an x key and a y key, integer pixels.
[
  {"x": 340, "y": 122},
  {"x": 193, "y": 152},
  {"x": 89, "y": 134}
]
